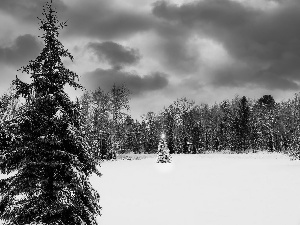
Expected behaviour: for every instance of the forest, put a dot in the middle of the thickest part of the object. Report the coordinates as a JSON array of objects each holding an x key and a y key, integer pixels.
[{"x": 239, "y": 125}]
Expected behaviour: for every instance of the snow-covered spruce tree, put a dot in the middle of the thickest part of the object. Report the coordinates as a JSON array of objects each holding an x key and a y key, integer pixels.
[
  {"x": 163, "y": 153},
  {"x": 46, "y": 148}
]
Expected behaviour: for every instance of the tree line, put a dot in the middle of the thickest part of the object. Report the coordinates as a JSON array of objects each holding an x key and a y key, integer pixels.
[{"x": 239, "y": 125}]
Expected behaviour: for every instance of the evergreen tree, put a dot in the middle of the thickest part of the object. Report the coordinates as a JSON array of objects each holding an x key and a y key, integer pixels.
[
  {"x": 242, "y": 124},
  {"x": 266, "y": 108},
  {"x": 169, "y": 126},
  {"x": 130, "y": 144},
  {"x": 225, "y": 131},
  {"x": 163, "y": 153},
  {"x": 267, "y": 101},
  {"x": 47, "y": 149},
  {"x": 196, "y": 138},
  {"x": 185, "y": 145}
]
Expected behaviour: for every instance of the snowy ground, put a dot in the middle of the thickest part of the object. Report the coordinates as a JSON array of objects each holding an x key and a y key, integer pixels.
[{"x": 214, "y": 189}]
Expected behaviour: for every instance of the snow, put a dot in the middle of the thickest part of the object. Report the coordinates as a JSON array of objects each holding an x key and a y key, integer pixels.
[
  {"x": 208, "y": 189},
  {"x": 215, "y": 189}
]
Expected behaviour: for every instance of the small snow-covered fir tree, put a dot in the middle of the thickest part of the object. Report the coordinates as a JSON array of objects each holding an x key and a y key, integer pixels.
[{"x": 163, "y": 153}]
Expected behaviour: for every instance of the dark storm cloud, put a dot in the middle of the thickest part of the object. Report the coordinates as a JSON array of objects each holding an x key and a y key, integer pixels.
[
  {"x": 24, "y": 48},
  {"x": 266, "y": 40},
  {"x": 99, "y": 19},
  {"x": 247, "y": 76},
  {"x": 28, "y": 10},
  {"x": 224, "y": 12},
  {"x": 115, "y": 54},
  {"x": 135, "y": 83},
  {"x": 103, "y": 20},
  {"x": 177, "y": 53}
]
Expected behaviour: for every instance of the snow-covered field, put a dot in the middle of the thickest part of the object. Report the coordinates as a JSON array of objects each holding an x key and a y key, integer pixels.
[
  {"x": 209, "y": 189},
  {"x": 214, "y": 189}
]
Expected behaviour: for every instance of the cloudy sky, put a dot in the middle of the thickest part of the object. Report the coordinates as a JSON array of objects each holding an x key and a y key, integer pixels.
[{"x": 205, "y": 50}]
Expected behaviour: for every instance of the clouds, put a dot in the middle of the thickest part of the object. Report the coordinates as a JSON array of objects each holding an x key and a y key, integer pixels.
[
  {"x": 136, "y": 84},
  {"x": 242, "y": 75},
  {"x": 27, "y": 10},
  {"x": 115, "y": 54},
  {"x": 119, "y": 57},
  {"x": 106, "y": 20},
  {"x": 24, "y": 48},
  {"x": 266, "y": 41},
  {"x": 218, "y": 12},
  {"x": 205, "y": 49},
  {"x": 178, "y": 52},
  {"x": 99, "y": 19}
]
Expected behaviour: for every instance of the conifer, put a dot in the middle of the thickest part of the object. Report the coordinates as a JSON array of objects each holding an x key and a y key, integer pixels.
[
  {"x": 47, "y": 148},
  {"x": 163, "y": 153}
]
